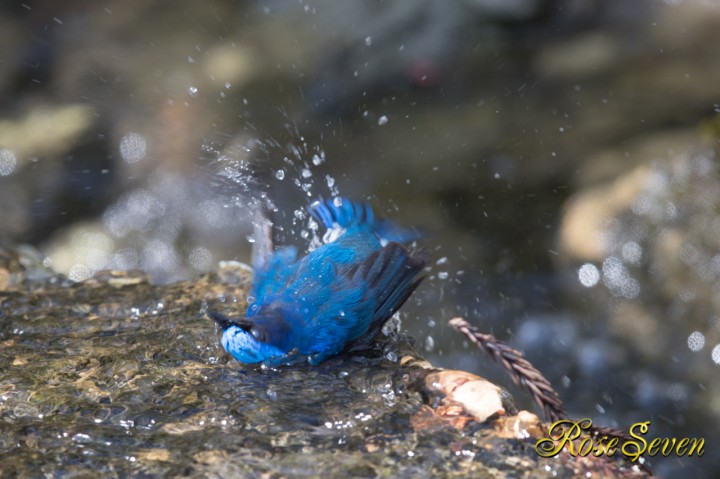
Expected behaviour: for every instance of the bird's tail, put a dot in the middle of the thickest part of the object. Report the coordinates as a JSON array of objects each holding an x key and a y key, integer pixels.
[{"x": 344, "y": 213}]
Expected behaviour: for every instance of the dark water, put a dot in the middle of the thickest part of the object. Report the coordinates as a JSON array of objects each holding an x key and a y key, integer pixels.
[{"x": 561, "y": 156}]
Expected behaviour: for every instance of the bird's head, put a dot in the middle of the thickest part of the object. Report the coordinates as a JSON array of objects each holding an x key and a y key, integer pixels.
[{"x": 254, "y": 339}]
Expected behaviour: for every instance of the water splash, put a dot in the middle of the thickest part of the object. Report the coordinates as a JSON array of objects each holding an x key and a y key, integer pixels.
[{"x": 8, "y": 162}]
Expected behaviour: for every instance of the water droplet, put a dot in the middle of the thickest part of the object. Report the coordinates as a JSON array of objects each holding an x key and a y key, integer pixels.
[
  {"x": 632, "y": 252},
  {"x": 79, "y": 272},
  {"x": 330, "y": 181},
  {"x": 391, "y": 356},
  {"x": 429, "y": 343},
  {"x": 382, "y": 120},
  {"x": 368, "y": 40},
  {"x": 716, "y": 354},
  {"x": 8, "y": 162},
  {"x": 272, "y": 394},
  {"x": 588, "y": 275},
  {"x": 306, "y": 173},
  {"x": 280, "y": 174},
  {"x": 443, "y": 275},
  {"x": 133, "y": 147},
  {"x": 192, "y": 91},
  {"x": 316, "y": 160},
  {"x": 696, "y": 341},
  {"x": 83, "y": 438},
  {"x": 228, "y": 85},
  {"x": 200, "y": 259}
]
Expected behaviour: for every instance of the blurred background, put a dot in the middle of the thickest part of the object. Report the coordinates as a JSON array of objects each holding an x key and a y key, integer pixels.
[{"x": 560, "y": 154}]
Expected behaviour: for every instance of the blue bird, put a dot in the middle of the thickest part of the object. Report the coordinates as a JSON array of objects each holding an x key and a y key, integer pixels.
[{"x": 336, "y": 298}]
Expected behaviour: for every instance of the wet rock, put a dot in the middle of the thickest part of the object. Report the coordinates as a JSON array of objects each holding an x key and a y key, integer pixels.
[{"x": 117, "y": 376}]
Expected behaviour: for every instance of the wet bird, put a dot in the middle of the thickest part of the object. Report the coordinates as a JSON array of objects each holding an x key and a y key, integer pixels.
[{"x": 334, "y": 299}]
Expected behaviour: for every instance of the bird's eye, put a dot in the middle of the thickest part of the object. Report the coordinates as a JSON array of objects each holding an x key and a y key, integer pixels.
[{"x": 258, "y": 334}]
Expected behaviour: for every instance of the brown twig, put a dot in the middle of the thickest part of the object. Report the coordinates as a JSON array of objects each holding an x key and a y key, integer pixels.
[
  {"x": 525, "y": 374},
  {"x": 520, "y": 369}
]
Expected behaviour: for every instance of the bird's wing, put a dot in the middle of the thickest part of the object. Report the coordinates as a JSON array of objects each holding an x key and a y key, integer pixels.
[
  {"x": 390, "y": 275},
  {"x": 368, "y": 293}
]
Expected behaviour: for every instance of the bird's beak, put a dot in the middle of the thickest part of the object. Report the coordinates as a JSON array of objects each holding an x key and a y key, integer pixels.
[{"x": 223, "y": 321}]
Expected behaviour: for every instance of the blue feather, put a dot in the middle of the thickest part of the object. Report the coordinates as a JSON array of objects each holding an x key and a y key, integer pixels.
[{"x": 335, "y": 298}]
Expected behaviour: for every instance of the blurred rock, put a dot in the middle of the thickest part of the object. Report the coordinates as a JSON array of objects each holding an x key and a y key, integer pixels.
[
  {"x": 44, "y": 132},
  {"x": 652, "y": 239},
  {"x": 586, "y": 232},
  {"x": 643, "y": 252},
  {"x": 36, "y": 163}
]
